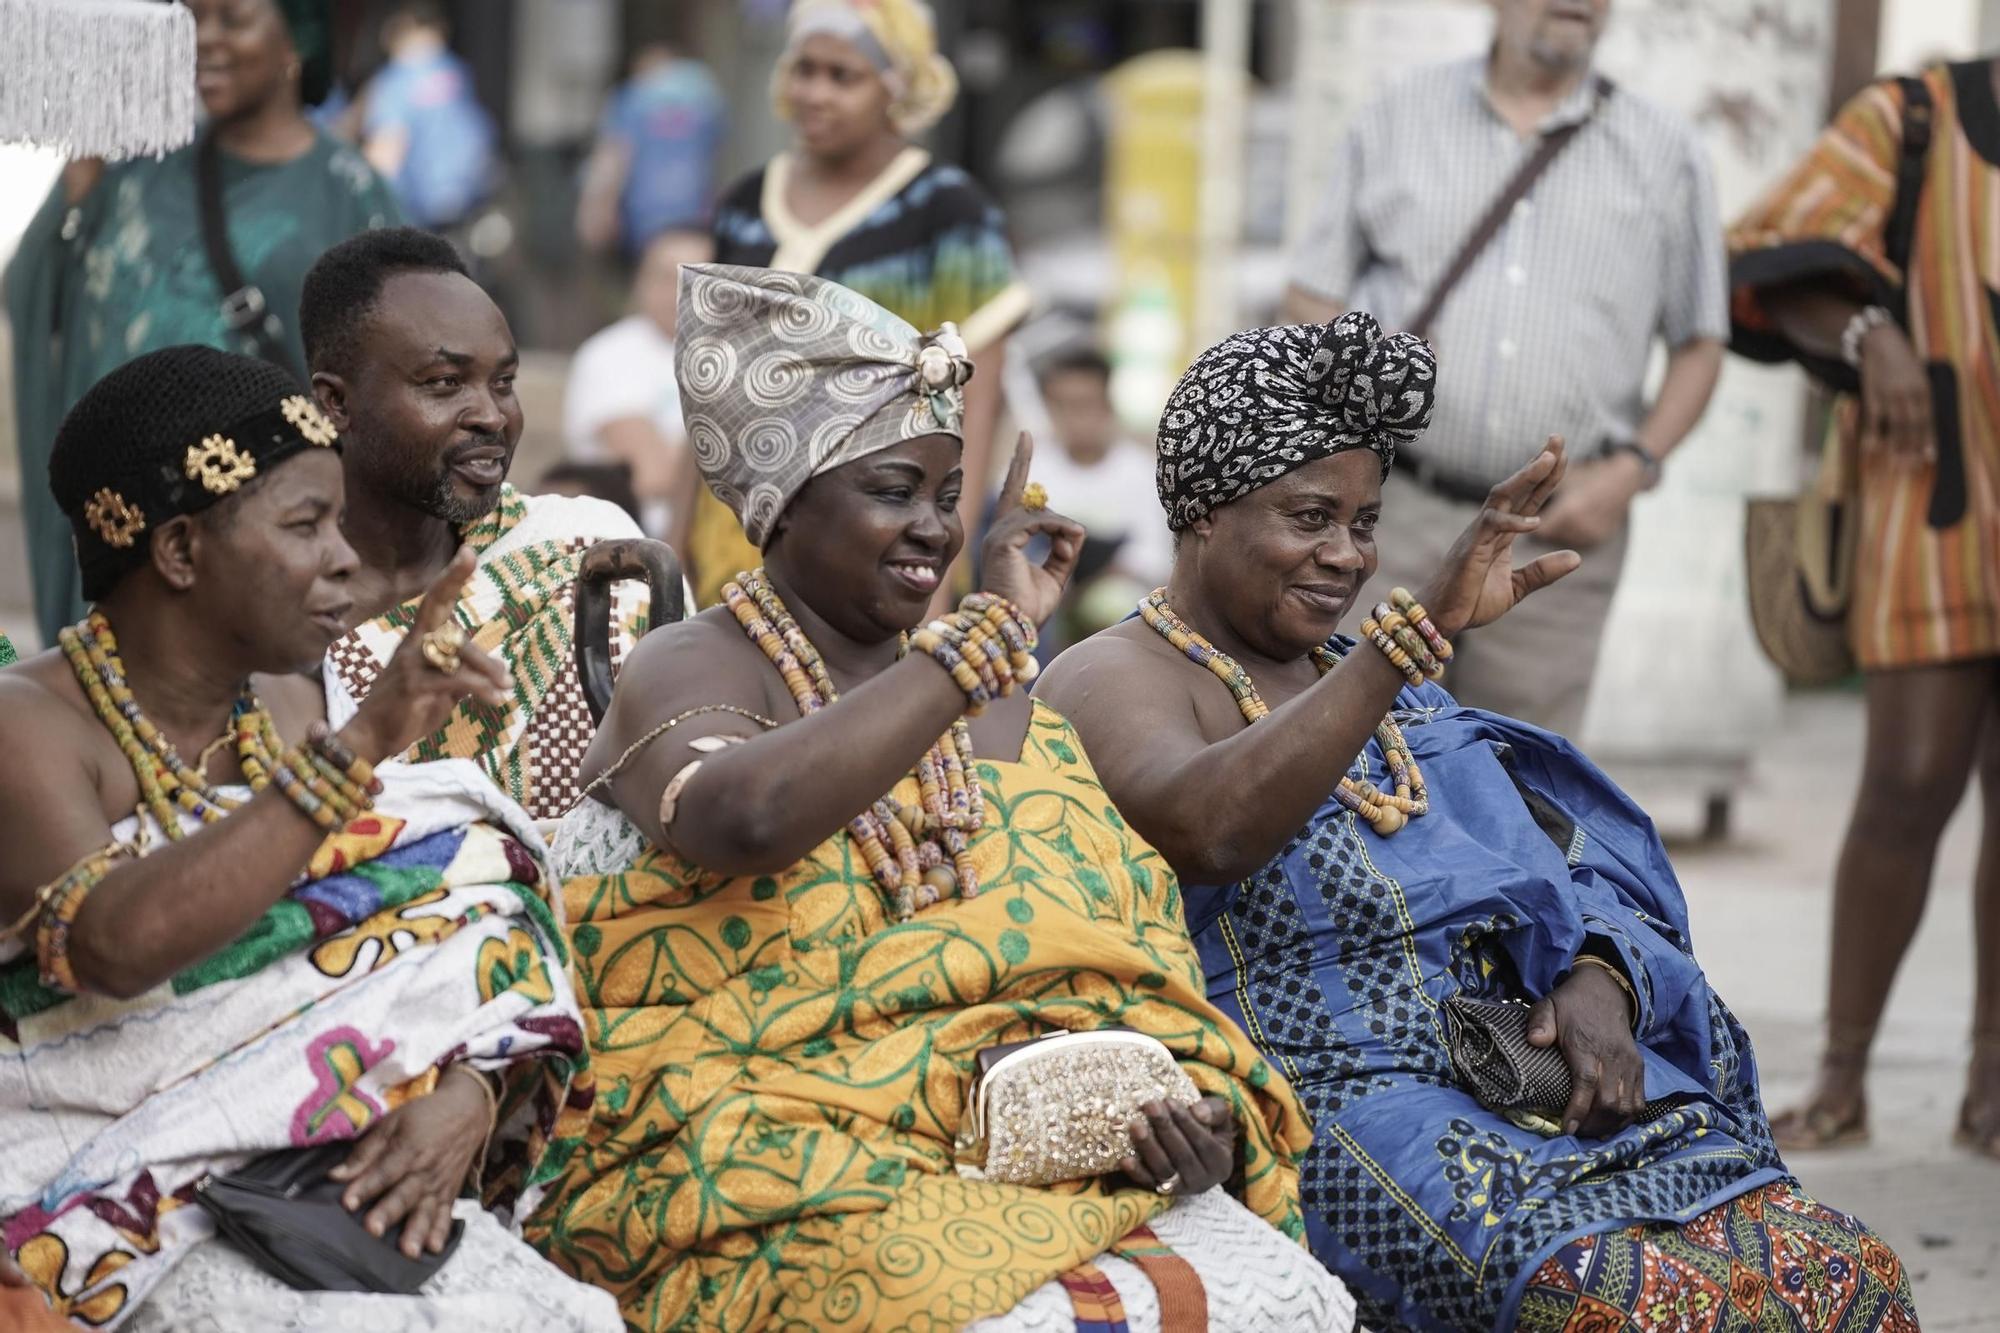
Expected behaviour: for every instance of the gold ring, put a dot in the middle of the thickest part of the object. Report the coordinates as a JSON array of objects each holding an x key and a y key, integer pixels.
[
  {"x": 1034, "y": 497},
  {"x": 440, "y": 647}
]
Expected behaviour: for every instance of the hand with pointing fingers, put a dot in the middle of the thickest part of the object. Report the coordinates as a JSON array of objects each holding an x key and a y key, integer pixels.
[
  {"x": 1004, "y": 565},
  {"x": 414, "y": 695}
]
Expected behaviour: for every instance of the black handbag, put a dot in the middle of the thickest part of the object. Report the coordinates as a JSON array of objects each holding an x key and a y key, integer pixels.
[
  {"x": 1490, "y": 1053},
  {"x": 284, "y": 1212}
]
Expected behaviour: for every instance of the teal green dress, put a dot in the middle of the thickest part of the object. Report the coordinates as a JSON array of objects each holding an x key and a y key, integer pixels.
[{"x": 124, "y": 273}]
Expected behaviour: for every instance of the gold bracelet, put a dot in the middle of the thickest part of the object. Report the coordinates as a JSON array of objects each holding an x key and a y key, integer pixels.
[
  {"x": 486, "y": 1086},
  {"x": 1615, "y": 973}
]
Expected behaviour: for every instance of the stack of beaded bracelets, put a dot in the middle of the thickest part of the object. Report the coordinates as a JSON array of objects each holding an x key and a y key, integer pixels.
[
  {"x": 1402, "y": 629},
  {"x": 987, "y": 645},
  {"x": 323, "y": 778},
  {"x": 54, "y": 912}
]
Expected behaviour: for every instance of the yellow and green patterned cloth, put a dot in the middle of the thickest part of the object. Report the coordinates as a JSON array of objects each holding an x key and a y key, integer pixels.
[
  {"x": 520, "y": 606},
  {"x": 781, "y": 1071}
]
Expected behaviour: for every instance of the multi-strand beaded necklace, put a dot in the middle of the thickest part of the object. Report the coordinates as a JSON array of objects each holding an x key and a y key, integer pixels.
[
  {"x": 325, "y": 781},
  {"x": 917, "y": 853},
  {"x": 167, "y": 783},
  {"x": 1385, "y": 811}
]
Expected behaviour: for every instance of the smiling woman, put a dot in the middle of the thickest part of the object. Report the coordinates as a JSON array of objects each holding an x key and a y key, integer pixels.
[
  {"x": 112, "y": 266},
  {"x": 835, "y": 854}
]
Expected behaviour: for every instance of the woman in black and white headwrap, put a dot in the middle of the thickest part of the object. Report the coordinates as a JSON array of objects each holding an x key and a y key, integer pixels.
[{"x": 1373, "y": 854}]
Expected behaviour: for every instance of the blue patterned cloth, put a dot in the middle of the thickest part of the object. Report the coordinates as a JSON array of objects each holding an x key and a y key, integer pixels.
[{"x": 1337, "y": 956}]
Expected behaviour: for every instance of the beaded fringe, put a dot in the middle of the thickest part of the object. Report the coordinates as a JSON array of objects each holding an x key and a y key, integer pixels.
[{"x": 97, "y": 78}]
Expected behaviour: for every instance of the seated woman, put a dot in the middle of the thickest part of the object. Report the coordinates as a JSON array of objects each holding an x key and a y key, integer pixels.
[
  {"x": 266, "y": 946},
  {"x": 794, "y": 937},
  {"x": 1371, "y": 851}
]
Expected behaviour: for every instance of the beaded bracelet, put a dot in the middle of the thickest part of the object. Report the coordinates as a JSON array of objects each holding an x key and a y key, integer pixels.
[
  {"x": 986, "y": 645},
  {"x": 1414, "y": 612},
  {"x": 1397, "y": 657},
  {"x": 327, "y": 747},
  {"x": 324, "y": 798},
  {"x": 1398, "y": 629},
  {"x": 58, "y": 905}
]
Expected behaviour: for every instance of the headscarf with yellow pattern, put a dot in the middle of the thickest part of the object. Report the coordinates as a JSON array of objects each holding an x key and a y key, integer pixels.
[{"x": 899, "y": 37}]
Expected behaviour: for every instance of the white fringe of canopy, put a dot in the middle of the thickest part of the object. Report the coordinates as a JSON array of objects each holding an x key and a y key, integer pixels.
[{"x": 97, "y": 78}]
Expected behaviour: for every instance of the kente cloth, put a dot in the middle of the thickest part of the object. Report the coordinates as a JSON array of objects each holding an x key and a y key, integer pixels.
[
  {"x": 1265, "y": 402},
  {"x": 1338, "y": 955},
  {"x": 782, "y": 1071},
  {"x": 1927, "y": 563},
  {"x": 899, "y": 37},
  {"x": 784, "y": 376},
  {"x": 922, "y": 240},
  {"x": 420, "y": 935},
  {"x": 124, "y": 273},
  {"x": 1770, "y": 1261},
  {"x": 520, "y": 606}
]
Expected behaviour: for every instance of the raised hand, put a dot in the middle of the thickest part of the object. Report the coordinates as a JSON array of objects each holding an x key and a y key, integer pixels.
[
  {"x": 1478, "y": 582},
  {"x": 414, "y": 695},
  {"x": 411, "y": 1164},
  {"x": 1004, "y": 564}
]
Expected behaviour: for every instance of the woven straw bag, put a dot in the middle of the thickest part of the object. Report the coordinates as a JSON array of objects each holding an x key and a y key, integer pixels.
[{"x": 1799, "y": 555}]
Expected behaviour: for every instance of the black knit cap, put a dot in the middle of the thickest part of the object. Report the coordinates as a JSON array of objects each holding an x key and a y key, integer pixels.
[{"x": 171, "y": 433}]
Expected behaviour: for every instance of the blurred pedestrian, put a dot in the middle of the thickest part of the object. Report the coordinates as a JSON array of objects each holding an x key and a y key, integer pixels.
[
  {"x": 856, "y": 202},
  {"x": 610, "y": 482},
  {"x": 1542, "y": 228},
  {"x": 421, "y": 125},
  {"x": 133, "y": 256},
  {"x": 1104, "y": 479},
  {"x": 653, "y": 168},
  {"x": 622, "y": 404},
  {"x": 1889, "y": 291}
]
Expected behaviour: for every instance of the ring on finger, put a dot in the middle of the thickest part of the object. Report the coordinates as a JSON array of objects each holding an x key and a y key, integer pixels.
[
  {"x": 1034, "y": 497},
  {"x": 1169, "y": 1185},
  {"x": 441, "y": 647}
]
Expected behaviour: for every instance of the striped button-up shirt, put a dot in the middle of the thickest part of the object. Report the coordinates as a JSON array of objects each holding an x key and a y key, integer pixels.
[{"x": 1551, "y": 330}]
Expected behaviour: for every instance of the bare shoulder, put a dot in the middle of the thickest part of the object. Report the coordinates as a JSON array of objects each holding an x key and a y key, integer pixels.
[
  {"x": 707, "y": 652},
  {"x": 51, "y": 799},
  {"x": 1115, "y": 677},
  {"x": 40, "y": 701}
]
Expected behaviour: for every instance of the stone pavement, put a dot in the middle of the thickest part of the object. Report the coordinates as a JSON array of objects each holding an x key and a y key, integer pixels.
[{"x": 1760, "y": 910}]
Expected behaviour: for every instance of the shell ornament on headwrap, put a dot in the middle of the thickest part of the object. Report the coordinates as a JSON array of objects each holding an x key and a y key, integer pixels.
[
  {"x": 1266, "y": 402},
  {"x": 784, "y": 376}
]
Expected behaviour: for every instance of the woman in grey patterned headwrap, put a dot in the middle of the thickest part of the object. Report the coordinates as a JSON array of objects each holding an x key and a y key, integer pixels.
[
  {"x": 785, "y": 1021},
  {"x": 1339, "y": 921}
]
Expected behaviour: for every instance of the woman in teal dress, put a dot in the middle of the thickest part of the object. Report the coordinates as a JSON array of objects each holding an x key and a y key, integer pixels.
[{"x": 113, "y": 265}]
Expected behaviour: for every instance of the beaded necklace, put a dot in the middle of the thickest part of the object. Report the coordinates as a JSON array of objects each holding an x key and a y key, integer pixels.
[
  {"x": 917, "y": 853},
  {"x": 1385, "y": 811},
  {"x": 167, "y": 784}
]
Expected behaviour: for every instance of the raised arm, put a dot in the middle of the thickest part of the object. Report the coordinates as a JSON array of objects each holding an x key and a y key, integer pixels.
[
  {"x": 767, "y": 794},
  {"x": 149, "y": 919},
  {"x": 1135, "y": 710}
]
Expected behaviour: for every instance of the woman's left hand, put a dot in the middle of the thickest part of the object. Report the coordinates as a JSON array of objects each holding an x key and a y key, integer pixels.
[
  {"x": 1005, "y": 569},
  {"x": 1590, "y": 1018},
  {"x": 1194, "y": 1147},
  {"x": 413, "y": 1163}
]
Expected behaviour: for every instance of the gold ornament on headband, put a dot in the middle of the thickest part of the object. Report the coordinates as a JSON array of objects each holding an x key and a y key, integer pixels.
[
  {"x": 218, "y": 465},
  {"x": 308, "y": 420},
  {"x": 112, "y": 519}
]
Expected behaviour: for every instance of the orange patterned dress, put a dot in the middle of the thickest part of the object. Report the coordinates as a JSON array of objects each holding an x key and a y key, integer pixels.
[{"x": 1927, "y": 577}]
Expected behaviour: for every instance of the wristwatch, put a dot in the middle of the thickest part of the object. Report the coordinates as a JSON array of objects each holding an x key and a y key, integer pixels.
[{"x": 1648, "y": 464}]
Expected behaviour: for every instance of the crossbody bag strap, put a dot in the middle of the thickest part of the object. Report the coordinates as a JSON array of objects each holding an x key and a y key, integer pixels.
[
  {"x": 1899, "y": 236},
  {"x": 1495, "y": 217},
  {"x": 245, "y": 312}
]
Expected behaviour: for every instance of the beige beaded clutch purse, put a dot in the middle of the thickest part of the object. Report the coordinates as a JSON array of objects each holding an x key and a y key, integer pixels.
[{"x": 1060, "y": 1107}]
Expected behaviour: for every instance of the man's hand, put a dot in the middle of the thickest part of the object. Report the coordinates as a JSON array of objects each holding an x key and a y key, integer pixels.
[
  {"x": 1590, "y": 1018},
  {"x": 1593, "y": 503}
]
